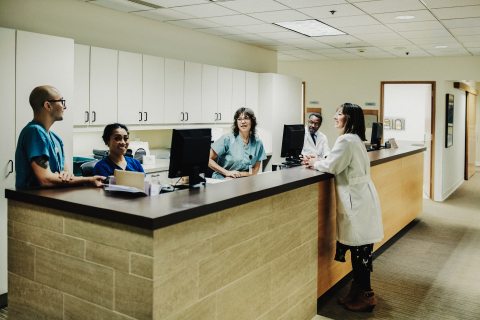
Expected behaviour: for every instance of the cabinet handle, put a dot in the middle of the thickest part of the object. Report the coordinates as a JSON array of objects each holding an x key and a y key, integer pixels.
[
  {"x": 10, "y": 162},
  {"x": 183, "y": 116},
  {"x": 220, "y": 116},
  {"x": 140, "y": 113},
  {"x": 94, "y": 116},
  {"x": 187, "y": 116},
  {"x": 87, "y": 116},
  {"x": 216, "y": 116},
  {"x": 146, "y": 116}
]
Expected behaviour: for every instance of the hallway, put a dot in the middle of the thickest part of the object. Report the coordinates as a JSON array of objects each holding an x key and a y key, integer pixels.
[{"x": 432, "y": 271}]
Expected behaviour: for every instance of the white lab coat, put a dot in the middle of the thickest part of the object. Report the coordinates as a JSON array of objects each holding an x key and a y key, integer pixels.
[
  {"x": 359, "y": 218},
  {"x": 319, "y": 149}
]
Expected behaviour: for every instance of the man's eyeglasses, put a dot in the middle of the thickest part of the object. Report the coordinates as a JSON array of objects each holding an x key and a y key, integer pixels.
[
  {"x": 58, "y": 100},
  {"x": 315, "y": 124}
]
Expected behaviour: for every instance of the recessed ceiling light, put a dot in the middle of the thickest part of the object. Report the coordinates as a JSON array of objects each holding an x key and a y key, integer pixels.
[
  {"x": 405, "y": 17},
  {"x": 441, "y": 47},
  {"x": 311, "y": 28}
]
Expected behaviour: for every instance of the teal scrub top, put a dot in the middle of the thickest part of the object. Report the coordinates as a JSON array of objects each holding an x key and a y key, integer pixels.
[
  {"x": 35, "y": 141},
  {"x": 233, "y": 154}
]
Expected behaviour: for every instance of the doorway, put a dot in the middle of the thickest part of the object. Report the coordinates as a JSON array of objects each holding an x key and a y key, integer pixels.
[{"x": 410, "y": 105}]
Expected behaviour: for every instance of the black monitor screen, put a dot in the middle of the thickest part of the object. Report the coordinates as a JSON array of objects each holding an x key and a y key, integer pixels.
[
  {"x": 189, "y": 154},
  {"x": 292, "y": 142},
  {"x": 377, "y": 135}
]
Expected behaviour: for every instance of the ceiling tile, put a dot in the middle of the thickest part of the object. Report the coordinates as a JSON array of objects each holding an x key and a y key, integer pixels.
[
  {"x": 342, "y": 41},
  {"x": 280, "y": 16},
  {"x": 457, "y": 12},
  {"x": 465, "y": 31},
  {"x": 475, "y": 51},
  {"x": 121, "y": 5},
  {"x": 369, "y": 52},
  {"x": 194, "y": 23},
  {"x": 205, "y": 10},
  {"x": 383, "y": 6},
  {"x": 261, "y": 28},
  {"x": 414, "y": 26},
  {"x": 341, "y": 10},
  {"x": 420, "y": 15},
  {"x": 469, "y": 38},
  {"x": 462, "y": 23},
  {"x": 221, "y": 31},
  {"x": 250, "y": 6},
  {"x": 305, "y": 43},
  {"x": 163, "y": 14},
  {"x": 376, "y": 28},
  {"x": 236, "y": 20},
  {"x": 175, "y": 3},
  {"x": 449, "y": 3},
  {"x": 446, "y": 52},
  {"x": 425, "y": 33},
  {"x": 388, "y": 42},
  {"x": 282, "y": 35},
  {"x": 363, "y": 20},
  {"x": 286, "y": 57},
  {"x": 379, "y": 36},
  {"x": 297, "y": 4},
  {"x": 401, "y": 51}
]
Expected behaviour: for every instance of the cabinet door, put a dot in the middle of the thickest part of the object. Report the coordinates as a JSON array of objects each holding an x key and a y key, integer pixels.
[
  {"x": 174, "y": 76},
  {"x": 81, "y": 89},
  {"x": 130, "y": 88},
  {"x": 225, "y": 87},
  {"x": 7, "y": 123},
  {"x": 210, "y": 94},
  {"x": 238, "y": 95},
  {"x": 103, "y": 86},
  {"x": 153, "y": 89},
  {"x": 192, "y": 103},
  {"x": 43, "y": 59},
  {"x": 251, "y": 91}
]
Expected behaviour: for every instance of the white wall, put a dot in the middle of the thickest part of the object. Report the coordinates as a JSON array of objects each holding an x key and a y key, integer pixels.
[
  {"x": 335, "y": 82},
  {"x": 102, "y": 27}
]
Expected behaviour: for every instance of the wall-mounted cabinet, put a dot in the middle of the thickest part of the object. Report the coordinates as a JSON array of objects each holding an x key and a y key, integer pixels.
[
  {"x": 251, "y": 91},
  {"x": 238, "y": 92},
  {"x": 153, "y": 89},
  {"x": 174, "y": 80},
  {"x": 130, "y": 109},
  {"x": 95, "y": 90},
  {"x": 210, "y": 113},
  {"x": 192, "y": 102},
  {"x": 225, "y": 94}
]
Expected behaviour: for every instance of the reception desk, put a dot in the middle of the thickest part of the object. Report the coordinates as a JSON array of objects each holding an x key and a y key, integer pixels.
[{"x": 256, "y": 248}]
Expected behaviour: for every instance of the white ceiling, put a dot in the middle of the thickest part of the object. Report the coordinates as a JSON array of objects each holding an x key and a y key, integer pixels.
[{"x": 370, "y": 25}]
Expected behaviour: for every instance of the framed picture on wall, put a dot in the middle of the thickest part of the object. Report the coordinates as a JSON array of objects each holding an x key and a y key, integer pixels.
[{"x": 449, "y": 105}]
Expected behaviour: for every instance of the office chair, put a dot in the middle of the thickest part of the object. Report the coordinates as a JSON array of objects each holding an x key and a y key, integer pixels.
[{"x": 87, "y": 168}]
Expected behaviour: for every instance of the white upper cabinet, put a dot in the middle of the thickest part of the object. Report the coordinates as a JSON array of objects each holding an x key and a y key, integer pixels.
[
  {"x": 210, "y": 94},
  {"x": 130, "y": 88},
  {"x": 153, "y": 89},
  {"x": 238, "y": 96},
  {"x": 251, "y": 91},
  {"x": 192, "y": 103},
  {"x": 174, "y": 78},
  {"x": 42, "y": 59},
  {"x": 225, "y": 91},
  {"x": 103, "y": 85},
  {"x": 81, "y": 91},
  {"x": 7, "y": 123}
]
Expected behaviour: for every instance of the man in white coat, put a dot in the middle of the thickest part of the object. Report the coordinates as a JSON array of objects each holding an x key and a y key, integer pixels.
[{"x": 315, "y": 142}]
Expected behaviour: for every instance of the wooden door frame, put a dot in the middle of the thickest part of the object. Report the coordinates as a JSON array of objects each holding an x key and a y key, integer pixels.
[
  {"x": 432, "y": 122},
  {"x": 468, "y": 90}
]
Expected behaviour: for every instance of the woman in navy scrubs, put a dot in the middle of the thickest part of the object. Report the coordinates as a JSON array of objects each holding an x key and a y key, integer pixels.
[{"x": 116, "y": 136}]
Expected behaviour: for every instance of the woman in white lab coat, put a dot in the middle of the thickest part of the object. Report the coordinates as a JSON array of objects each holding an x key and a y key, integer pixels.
[{"x": 359, "y": 219}]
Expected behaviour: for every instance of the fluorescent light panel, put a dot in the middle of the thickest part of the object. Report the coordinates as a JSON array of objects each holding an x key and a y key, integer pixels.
[{"x": 311, "y": 28}]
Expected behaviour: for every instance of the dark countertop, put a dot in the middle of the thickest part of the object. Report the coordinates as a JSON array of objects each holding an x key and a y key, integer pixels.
[{"x": 171, "y": 208}]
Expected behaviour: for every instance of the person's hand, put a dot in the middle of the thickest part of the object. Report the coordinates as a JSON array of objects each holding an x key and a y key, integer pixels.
[
  {"x": 233, "y": 174},
  {"x": 307, "y": 157},
  {"x": 97, "y": 181},
  {"x": 66, "y": 176},
  {"x": 311, "y": 162}
]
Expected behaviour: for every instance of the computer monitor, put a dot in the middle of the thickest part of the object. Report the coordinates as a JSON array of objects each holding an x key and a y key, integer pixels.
[
  {"x": 292, "y": 142},
  {"x": 189, "y": 154},
  {"x": 377, "y": 135}
]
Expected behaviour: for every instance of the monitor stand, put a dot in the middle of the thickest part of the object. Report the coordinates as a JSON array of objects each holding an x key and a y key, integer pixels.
[
  {"x": 292, "y": 162},
  {"x": 195, "y": 180}
]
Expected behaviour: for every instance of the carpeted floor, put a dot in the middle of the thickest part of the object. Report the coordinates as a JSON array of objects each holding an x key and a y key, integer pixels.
[{"x": 433, "y": 270}]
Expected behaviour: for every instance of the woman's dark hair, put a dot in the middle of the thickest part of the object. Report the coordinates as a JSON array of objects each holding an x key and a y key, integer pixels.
[
  {"x": 107, "y": 132},
  {"x": 253, "y": 120},
  {"x": 355, "y": 121}
]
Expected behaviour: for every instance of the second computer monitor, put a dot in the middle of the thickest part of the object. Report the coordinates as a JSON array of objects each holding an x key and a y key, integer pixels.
[
  {"x": 377, "y": 135},
  {"x": 292, "y": 141},
  {"x": 189, "y": 154}
]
